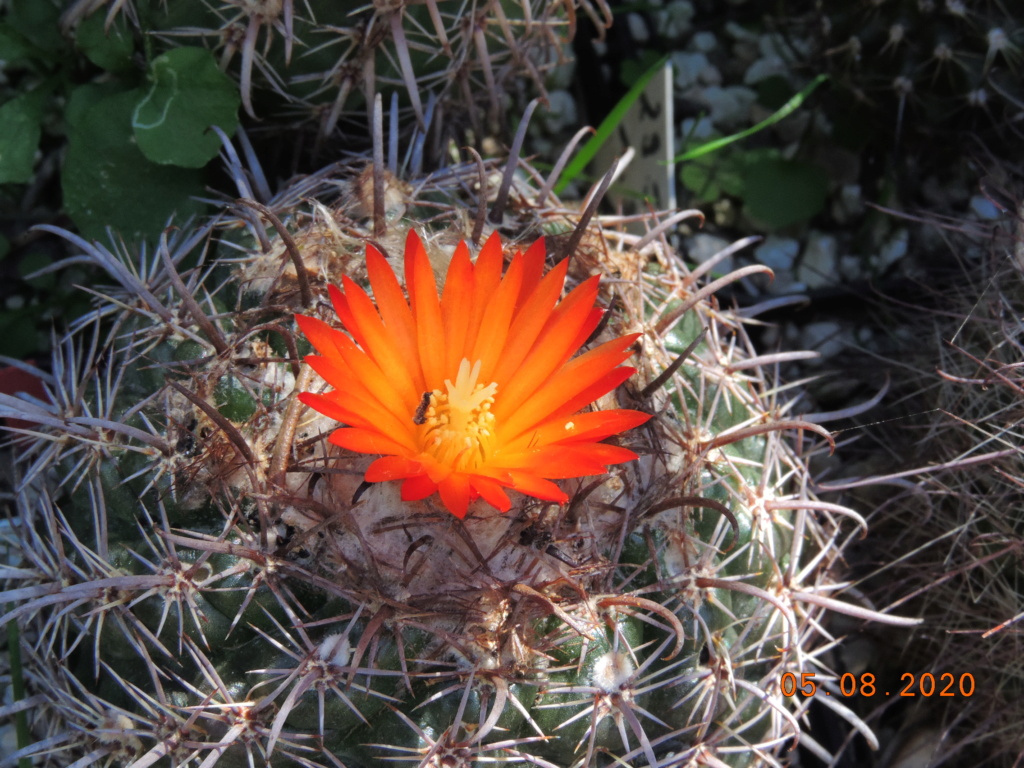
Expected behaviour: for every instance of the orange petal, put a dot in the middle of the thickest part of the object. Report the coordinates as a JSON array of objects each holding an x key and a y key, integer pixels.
[
  {"x": 344, "y": 312},
  {"x": 575, "y": 376},
  {"x": 435, "y": 470},
  {"x": 323, "y": 337},
  {"x": 362, "y": 408},
  {"x": 426, "y": 311},
  {"x": 350, "y": 370},
  {"x": 369, "y": 374},
  {"x": 417, "y": 487},
  {"x": 366, "y": 441},
  {"x": 356, "y": 412},
  {"x": 334, "y": 371},
  {"x": 554, "y": 461},
  {"x": 497, "y": 474},
  {"x": 602, "y": 386},
  {"x": 322, "y": 405},
  {"x": 330, "y": 369},
  {"x": 536, "y": 486},
  {"x": 568, "y": 461},
  {"x": 455, "y": 493},
  {"x": 487, "y": 272},
  {"x": 529, "y": 321},
  {"x": 550, "y": 351},
  {"x": 486, "y": 278},
  {"x": 491, "y": 492},
  {"x": 456, "y": 307},
  {"x": 588, "y": 328},
  {"x": 533, "y": 270},
  {"x": 580, "y": 427},
  {"x": 382, "y": 347},
  {"x": 393, "y": 468},
  {"x": 394, "y": 310},
  {"x": 490, "y": 341},
  {"x": 609, "y": 454}
]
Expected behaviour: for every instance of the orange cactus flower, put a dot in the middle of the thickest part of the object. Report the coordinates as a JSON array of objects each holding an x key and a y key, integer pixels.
[{"x": 476, "y": 391}]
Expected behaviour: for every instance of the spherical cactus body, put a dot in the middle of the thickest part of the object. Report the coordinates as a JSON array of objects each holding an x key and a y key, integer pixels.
[{"x": 264, "y": 519}]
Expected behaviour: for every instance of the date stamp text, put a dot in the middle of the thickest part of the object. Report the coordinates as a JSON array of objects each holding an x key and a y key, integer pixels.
[{"x": 866, "y": 684}]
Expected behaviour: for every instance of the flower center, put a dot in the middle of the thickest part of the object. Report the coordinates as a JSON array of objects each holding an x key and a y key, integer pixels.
[{"x": 458, "y": 426}]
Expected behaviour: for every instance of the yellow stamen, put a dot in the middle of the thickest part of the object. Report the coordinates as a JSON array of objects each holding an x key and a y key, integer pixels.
[{"x": 458, "y": 428}]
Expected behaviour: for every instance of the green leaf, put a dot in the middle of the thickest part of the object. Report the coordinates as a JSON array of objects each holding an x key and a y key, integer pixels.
[
  {"x": 711, "y": 176},
  {"x": 705, "y": 178},
  {"x": 38, "y": 21},
  {"x": 107, "y": 181},
  {"x": 780, "y": 114},
  {"x": 781, "y": 192},
  {"x": 18, "y": 335},
  {"x": 33, "y": 262},
  {"x": 188, "y": 95},
  {"x": 607, "y": 127},
  {"x": 110, "y": 49},
  {"x": 19, "y": 136},
  {"x": 85, "y": 96},
  {"x": 14, "y": 47}
]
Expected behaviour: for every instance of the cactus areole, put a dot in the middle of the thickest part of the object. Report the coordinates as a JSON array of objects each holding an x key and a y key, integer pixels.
[{"x": 473, "y": 392}]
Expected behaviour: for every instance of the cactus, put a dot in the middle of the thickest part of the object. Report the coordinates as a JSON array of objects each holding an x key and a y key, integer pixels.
[
  {"x": 320, "y": 62},
  {"x": 928, "y": 66},
  {"x": 213, "y": 572}
]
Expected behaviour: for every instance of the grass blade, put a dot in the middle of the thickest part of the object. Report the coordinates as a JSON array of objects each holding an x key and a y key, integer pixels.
[
  {"x": 780, "y": 114},
  {"x": 18, "y": 689}
]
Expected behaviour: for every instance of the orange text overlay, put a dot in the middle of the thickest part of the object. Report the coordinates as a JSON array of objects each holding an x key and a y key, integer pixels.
[{"x": 944, "y": 685}]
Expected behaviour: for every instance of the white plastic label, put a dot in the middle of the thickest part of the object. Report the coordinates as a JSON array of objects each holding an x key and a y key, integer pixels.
[{"x": 648, "y": 128}]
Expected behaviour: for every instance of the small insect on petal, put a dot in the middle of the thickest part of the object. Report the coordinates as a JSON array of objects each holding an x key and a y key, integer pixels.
[{"x": 420, "y": 417}]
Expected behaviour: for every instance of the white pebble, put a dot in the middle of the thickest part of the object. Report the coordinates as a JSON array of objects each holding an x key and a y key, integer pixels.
[
  {"x": 820, "y": 263},
  {"x": 561, "y": 111},
  {"x": 849, "y": 204},
  {"x": 984, "y": 208},
  {"x": 674, "y": 19},
  {"x": 703, "y": 42},
  {"x": 729, "y": 106},
  {"x": 893, "y": 250},
  {"x": 851, "y": 267},
  {"x": 776, "y": 252},
  {"x": 692, "y": 129},
  {"x": 703, "y": 246},
  {"x": 824, "y": 338},
  {"x": 638, "y": 30},
  {"x": 687, "y": 68},
  {"x": 763, "y": 68}
]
